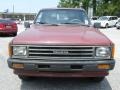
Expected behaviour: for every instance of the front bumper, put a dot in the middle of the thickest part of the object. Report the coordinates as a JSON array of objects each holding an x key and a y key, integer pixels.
[
  {"x": 8, "y": 31},
  {"x": 45, "y": 68},
  {"x": 47, "y": 65}
]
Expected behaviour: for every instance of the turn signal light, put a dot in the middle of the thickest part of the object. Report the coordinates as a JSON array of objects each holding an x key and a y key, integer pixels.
[
  {"x": 104, "y": 66},
  {"x": 113, "y": 51},
  {"x": 18, "y": 66},
  {"x": 10, "y": 50}
]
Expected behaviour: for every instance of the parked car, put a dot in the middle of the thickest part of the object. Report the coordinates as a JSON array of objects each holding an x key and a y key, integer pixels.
[
  {"x": 118, "y": 24},
  {"x": 93, "y": 19},
  {"x": 107, "y": 21},
  {"x": 8, "y": 27},
  {"x": 16, "y": 20},
  {"x": 61, "y": 43},
  {"x": 118, "y": 18}
]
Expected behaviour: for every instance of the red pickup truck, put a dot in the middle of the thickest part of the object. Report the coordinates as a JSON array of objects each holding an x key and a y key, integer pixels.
[{"x": 61, "y": 43}]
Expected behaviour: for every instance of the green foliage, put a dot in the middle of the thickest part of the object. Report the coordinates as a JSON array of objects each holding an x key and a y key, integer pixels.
[
  {"x": 100, "y": 7},
  {"x": 85, "y": 4},
  {"x": 74, "y": 4},
  {"x": 69, "y": 3},
  {"x": 108, "y": 7}
]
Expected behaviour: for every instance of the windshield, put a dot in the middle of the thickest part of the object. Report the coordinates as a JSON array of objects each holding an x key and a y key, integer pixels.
[
  {"x": 5, "y": 21},
  {"x": 62, "y": 16},
  {"x": 94, "y": 18},
  {"x": 103, "y": 18}
]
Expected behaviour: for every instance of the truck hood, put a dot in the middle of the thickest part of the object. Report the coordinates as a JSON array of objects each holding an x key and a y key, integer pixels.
[{"x": 61, "y": 35}]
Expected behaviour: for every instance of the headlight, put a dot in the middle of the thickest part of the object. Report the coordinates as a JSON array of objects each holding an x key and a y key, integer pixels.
[
  {"x": 104, "y": 52},
  {"x": 19, "y": 51}
]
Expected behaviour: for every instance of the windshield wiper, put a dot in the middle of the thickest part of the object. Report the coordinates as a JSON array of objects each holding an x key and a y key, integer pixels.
[
  {"x": 41, "y": 23},
  {"x": 53, "y": 24},
  {"x": 85, "y": 25},
  {"x": 70, "y": 23},
  {"x": 76, "y": 24}
]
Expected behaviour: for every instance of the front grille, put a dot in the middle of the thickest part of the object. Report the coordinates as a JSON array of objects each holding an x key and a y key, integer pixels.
[{"x": 60, "y": 52}]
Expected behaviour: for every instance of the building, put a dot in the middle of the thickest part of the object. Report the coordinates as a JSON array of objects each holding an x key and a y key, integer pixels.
[{"x": 22, "y": 16}]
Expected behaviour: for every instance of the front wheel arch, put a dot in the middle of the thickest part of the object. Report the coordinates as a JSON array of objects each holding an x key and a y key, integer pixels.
[
  {"x": 106, "y": 25},
  {"x": 97, "y": 79}
]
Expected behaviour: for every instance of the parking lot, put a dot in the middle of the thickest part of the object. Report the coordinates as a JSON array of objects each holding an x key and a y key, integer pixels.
[{"x": 9, "y": 81}]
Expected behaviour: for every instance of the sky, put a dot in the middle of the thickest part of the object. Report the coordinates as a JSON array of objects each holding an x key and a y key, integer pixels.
[{"x": 27, "y": 6}]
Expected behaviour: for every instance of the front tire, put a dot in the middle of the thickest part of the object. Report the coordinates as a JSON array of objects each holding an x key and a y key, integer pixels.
[
  {"x": 97, "y": 79},
  {"x": 118, "y": 28},
  {"x": 25, "y": 78}
]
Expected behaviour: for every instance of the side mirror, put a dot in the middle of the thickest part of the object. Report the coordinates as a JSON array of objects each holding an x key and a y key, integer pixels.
[
  {"x": 26, "y": 24},
  {"x": 97, "y": 25}
]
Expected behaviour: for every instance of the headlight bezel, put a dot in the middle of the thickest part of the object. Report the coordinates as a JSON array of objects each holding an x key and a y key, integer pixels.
[
  {"x": 107, "y": 49},
  {"x": 111, "y": 54},
  {"x": 25, "y": 51}
]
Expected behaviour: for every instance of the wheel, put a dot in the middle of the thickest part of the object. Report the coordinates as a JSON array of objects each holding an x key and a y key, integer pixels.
[
  {"x": 14, "y": 34},
  {"x": 106, "y": 26},
  {"x": 115, "y": 25},
  {"x": 118, "y": 28},
  {"x": 97, "y": 79},
  {"x": 25, "y": 78}
]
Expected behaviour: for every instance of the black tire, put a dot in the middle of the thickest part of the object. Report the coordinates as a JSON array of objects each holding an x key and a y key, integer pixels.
[
  {"x": 107, "y": 25},
  {"x": 97, "y": 79},
  {"x": 15, "y": 34},
  {"x": 25, "y": 78},
  {"x": 118, "y": 28},
  {"x": 115, "y": 25}
]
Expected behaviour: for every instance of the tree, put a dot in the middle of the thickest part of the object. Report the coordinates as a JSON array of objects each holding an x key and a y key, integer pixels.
[
  {"x": 86, "y": 4},
  {"x": 100, "y": 7},
  {"x": 76, "y": 3},
  {"x": 108, "y": 7},
  {"x": 94, "y": 7},
  {"x": 69, "y": 3}
]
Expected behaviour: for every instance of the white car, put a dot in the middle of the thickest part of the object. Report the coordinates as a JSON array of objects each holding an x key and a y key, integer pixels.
[
  {"x": 107, "y": 21},
  {"x": 93, "y": 19},
  {"x": 118, "y": 24}
]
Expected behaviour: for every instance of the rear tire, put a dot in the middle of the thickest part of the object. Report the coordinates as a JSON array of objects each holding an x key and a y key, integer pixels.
[
  {"x": 14, "y": 34},
  {"x": 97, "y": 79},
  {"x": 25, "y": 78},
  {"x": 107, "y": 25}
]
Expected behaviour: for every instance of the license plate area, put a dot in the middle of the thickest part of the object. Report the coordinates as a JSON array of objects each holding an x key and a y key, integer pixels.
[
  {"x": 60, "y": 67},
  {"x": 8, "y": 26}
]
